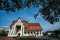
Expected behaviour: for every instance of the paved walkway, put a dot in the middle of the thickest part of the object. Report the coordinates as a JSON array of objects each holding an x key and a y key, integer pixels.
[{"x": 6, "y": 38}]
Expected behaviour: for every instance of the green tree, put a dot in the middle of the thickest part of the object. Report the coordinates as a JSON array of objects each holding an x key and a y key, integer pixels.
[{"x": 50, "y": 8}]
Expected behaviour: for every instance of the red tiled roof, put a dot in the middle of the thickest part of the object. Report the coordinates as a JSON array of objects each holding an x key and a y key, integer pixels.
[
  {"x": 28, "y": 26},
  {"x": 33, "y": 26},
  {"x": 13, "y": 22}
]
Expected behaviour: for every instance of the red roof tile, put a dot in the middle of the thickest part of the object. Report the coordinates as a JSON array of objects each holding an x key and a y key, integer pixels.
[{"x": 33, "y": 26}]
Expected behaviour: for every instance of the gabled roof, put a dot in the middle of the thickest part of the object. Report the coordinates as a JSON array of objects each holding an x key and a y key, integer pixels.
[
  {"x": 13, "y": 22},
  {"x": 28, "y": 26},
  {"x": 33, "y": 26}
]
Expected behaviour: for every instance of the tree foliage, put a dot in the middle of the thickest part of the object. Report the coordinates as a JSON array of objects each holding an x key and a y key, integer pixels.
[{"x": 50, "y": 8}]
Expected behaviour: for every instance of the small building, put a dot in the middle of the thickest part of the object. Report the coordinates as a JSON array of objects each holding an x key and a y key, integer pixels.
[
  {"x": 4, "y": 31},
  {"x": 1, "y": 29},
  {"x": 4, "y": 28},
  {"x": 49, "y": 33},
  {"x": 24, "y": 28}
]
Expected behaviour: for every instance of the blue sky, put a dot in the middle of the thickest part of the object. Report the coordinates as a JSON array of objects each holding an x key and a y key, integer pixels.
[{"x": 26, "y": 14}]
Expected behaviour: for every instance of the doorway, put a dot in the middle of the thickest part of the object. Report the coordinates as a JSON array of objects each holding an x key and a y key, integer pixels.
[{"x": 18, "y": 27}]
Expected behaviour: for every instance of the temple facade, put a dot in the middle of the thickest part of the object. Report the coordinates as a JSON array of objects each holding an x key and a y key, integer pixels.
[{"x": 24, "y": 28}]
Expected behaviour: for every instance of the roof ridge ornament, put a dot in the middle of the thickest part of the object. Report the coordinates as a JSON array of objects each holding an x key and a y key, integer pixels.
[{"x": 19, "y": 18}]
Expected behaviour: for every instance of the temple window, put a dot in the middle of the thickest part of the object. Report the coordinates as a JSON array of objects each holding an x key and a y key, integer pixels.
[
  {"x": 28, "y": 32},
  {"x": 25, "y": 32},
  {"x": 34, "y": 32},
  {"x": 31, "y": 32}
]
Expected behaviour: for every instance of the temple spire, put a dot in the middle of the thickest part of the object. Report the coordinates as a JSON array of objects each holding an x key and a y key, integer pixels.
[{"x": 19, "y": 18}]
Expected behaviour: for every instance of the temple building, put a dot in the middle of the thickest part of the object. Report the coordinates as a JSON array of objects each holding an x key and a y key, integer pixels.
[{"x": 24, "y": 28}]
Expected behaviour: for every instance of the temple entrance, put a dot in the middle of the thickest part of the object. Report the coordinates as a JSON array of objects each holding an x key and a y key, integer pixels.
[{"x": 18, "y": 28}]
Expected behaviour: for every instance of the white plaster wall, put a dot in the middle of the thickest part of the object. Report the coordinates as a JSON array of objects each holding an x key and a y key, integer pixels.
[{"x": 33, "y": 34}]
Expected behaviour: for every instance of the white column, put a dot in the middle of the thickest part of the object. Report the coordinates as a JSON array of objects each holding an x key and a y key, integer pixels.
[
  {"x": 21, "y": 31},
  {"x": 15, "y": 30},
  {"x": 35, "y": 33},
  {"x": 39, "y": 33}
]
